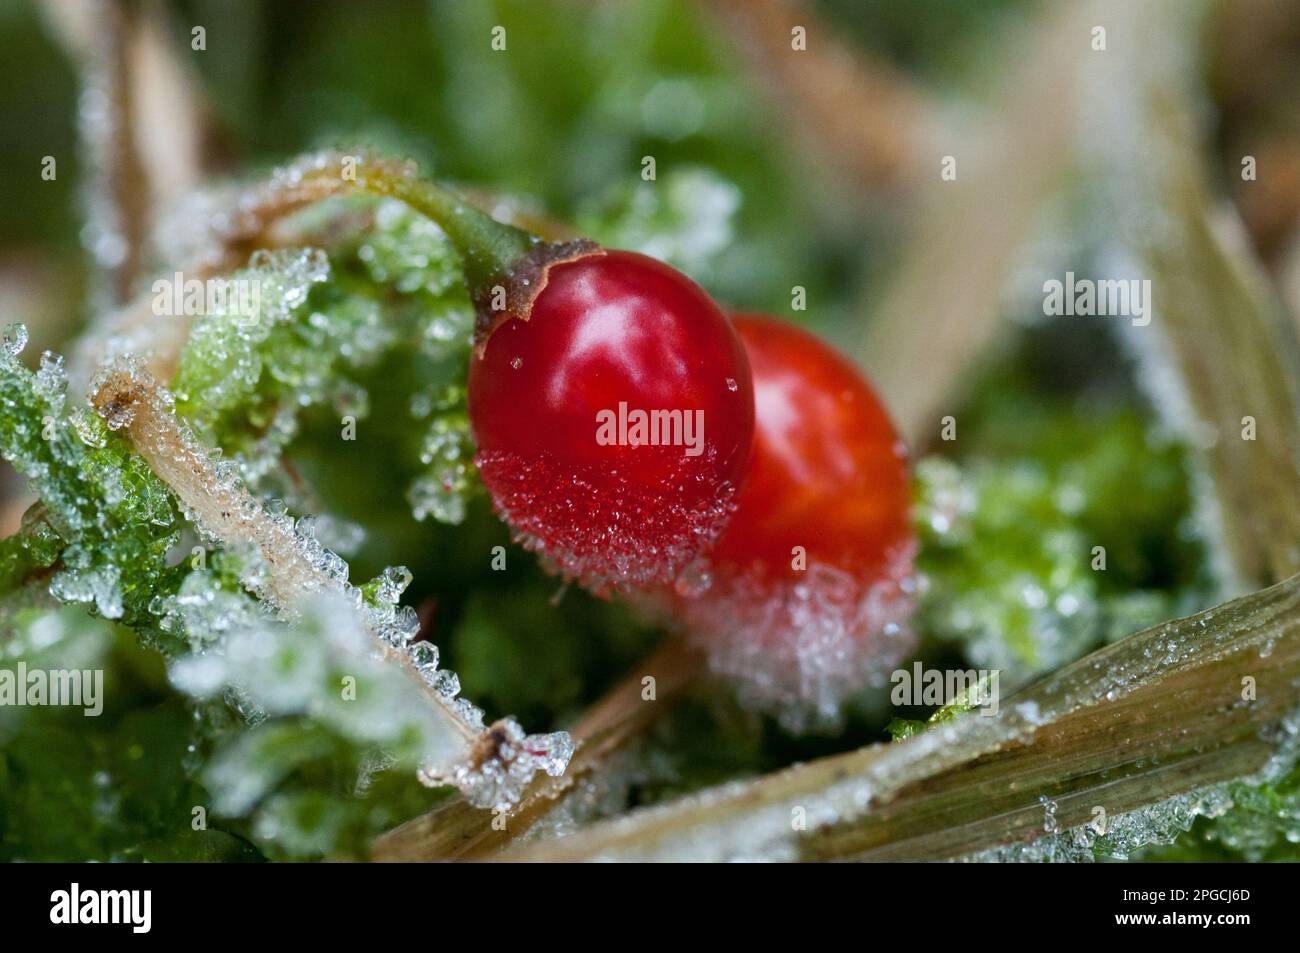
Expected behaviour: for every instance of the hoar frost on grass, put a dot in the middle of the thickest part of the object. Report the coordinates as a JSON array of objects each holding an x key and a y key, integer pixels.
[
  {"x": 294, "y": 574},
  {"x": 107, "y": 502},
  {"x": 755, "y": 820},
  {"x": 110, "y": 514},
  {"x": 302, "y": 670},
  {"x": 247, "y": 377},
  {"x": 1253, "y": 828}
]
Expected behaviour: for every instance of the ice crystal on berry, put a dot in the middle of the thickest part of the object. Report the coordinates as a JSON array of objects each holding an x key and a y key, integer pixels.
[
  {"x": 800, "y": 648},
  {"x": 602, "y": 529}
]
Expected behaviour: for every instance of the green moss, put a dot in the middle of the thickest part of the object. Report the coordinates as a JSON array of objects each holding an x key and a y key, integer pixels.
[
  {"x": 1063, "y": 531},
  {"x": 106, "y": 522},
  {"x": 900, "y": 728},
  {"x": 1263, "y": 825}
]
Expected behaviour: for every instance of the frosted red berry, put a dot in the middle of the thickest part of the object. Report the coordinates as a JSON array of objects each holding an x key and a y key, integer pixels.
[
  {"x": 555, "y": 400},
  {"x": 828, "y": 473},
  {"x": 806, "y": 591}
]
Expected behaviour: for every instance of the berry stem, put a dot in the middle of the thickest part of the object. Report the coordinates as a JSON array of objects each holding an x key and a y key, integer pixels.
[
  {"x": 488, "y": 248},
  {"x": 505, "y": 267}
]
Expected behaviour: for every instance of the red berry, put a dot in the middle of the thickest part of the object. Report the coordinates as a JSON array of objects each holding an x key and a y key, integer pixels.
[
  {"x": 828, "y": 472},
  {"x": 828, "y": 479},
  {"x": 554, "y": 403}
]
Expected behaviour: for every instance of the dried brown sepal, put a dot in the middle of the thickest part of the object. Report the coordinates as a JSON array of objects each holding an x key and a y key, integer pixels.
[
  {"x": 489, "y": 747},
  {"x": 512, "y": 294}
]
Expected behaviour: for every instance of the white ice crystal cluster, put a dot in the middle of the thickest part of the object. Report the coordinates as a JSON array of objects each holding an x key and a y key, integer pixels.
[{"x": 802, "y": 649}]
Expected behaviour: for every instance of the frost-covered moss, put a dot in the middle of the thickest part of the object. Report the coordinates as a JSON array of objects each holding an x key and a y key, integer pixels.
[
  {"x": 391, "y": 289},
  {"x": 1078, "y": 534},
  {"x": 105, "y": 522},
  {"x": 1262, "y": 824}
]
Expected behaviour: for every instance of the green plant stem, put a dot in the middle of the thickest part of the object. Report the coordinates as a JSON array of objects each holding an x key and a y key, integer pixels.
[{"x": 488, "y": 248}]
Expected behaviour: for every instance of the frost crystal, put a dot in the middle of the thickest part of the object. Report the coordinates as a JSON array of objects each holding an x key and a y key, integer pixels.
[
  {"x": 603, "y": 529},
  {"x": 424, "y": 656},
  {"x": 13, "y": 340},
  {"x": 203, "y": 613},
  {"x": 1125, "y": 833},
  {"x": 504, "y": 761},
  {"x": 1256, "y": 824},
  {"x": 801, "y": 648},
  {"x": 99, "y": 587},
  {"x": 448, "y": 451},
  {"x": 104, "y": 517},
  {"x": 222, "y": 362}
]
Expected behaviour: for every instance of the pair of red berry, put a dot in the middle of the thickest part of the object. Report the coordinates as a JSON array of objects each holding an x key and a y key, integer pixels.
[
  {"x": 642, "y": 443},
  {"x": 820, "y": 468}
]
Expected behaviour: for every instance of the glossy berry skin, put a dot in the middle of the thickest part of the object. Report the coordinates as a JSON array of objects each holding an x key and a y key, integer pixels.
[
  {"x": 805, "y": 597},
  {"x": 613, "y": 329},
  {"x": 828, "y": 472}
]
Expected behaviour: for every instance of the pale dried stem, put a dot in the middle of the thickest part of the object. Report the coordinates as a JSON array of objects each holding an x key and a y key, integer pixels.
[
  {"x": 943, "y": 311},
  {"x": 131, "y": 401},
  {"x": 143, "y": 124},
  {"x": 120, "y": 193},
  {"x": 1223, "y": 326},
  {"x": 847, "y": 108},
  {"x": 1157, "y": 715},
  {"x": 1238, "y": 357}
]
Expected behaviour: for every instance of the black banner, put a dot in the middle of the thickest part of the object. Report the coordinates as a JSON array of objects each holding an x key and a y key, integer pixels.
[{"x": 337, "y": 901}]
